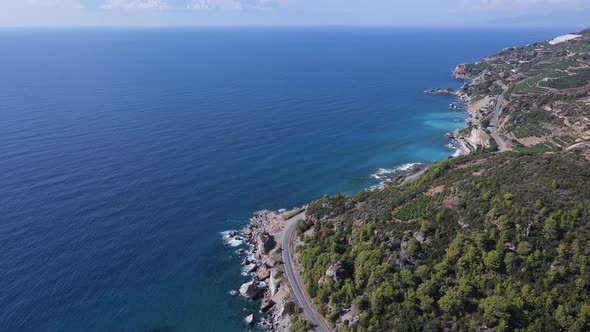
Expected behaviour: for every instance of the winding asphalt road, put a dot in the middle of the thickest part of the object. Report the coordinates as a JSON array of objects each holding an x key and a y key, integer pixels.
[
  {"x": 294, "y": 279},
  {"x": 494, "y": 123}
]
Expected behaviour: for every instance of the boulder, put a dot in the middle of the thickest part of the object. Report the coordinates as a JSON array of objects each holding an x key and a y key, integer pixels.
[
  {"x": 249, "y": 319},
  {"x": 263, "y": 273},
  {"x": 272, "y": 285},
  {"x": 337, "y": 272},
  {"x": 266, "y": 305},
  {"x": 249, "y": 290},
  {"x": 274, "y": 259},
  {"x": 420, "y": 237},
  {"x": 250, "y": 268},
  {"x": 391, "y": 260},
  {"x": 266, "y": 243}
]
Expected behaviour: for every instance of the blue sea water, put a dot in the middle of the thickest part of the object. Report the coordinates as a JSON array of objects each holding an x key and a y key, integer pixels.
[{"x": 125, "y": 153}]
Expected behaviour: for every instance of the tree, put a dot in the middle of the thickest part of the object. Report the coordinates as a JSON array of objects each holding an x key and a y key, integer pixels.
[
  {"x": 495, "y": 309},
  {"x": 452, "y": 301},
  {"x": 524, "y": 248},
  {"x": 493, "y": 260},
  {"x": 550, "y": 228}
]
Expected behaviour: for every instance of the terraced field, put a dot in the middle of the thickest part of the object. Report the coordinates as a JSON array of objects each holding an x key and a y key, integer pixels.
[
  {"x": 576, "y": 79},
  {"x": 419, "y": 206},
  {"x": 530, "y": 130},
  {"x": 537, "y": 148}
]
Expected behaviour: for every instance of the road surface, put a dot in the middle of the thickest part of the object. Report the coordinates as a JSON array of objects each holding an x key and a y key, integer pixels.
[
  {"x": 294, "y": 279},
  {"x": 494, "y": 123}
]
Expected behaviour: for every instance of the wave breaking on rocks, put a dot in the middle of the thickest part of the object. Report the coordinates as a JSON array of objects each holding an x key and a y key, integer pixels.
[{"x": 259, "y": 247}]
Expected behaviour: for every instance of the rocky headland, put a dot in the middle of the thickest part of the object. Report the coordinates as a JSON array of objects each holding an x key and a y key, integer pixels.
[{"x": 447, "y": 91}]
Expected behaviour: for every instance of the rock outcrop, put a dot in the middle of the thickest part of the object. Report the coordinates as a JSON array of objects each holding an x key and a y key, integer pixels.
[
  {"x": 266, "y": 243},
  {"x": 263, "y": 273},
  {"x": 462, "y": 72},
  {"x": 250, "y": 268},
  {"x": 337, "y": 272},
  {"x": 420, "y": 237},
  {"x": 250, "y": 290},
  {"x": 266, "y": 305}
]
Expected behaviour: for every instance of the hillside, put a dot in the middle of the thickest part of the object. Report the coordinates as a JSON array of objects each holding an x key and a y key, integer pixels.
[
  {"x": 546, "y": 106},
  {"x": 481, "y": 242}
]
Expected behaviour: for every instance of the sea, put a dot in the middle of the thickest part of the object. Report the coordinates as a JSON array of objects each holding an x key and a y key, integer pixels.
[{"x": 124, "y": 153}]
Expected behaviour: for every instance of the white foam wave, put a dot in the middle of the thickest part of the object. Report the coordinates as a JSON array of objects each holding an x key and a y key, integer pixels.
[
  {"x": 456, "y": 150},
  {"x": 234, "y": 242},
  {"x": 382, "y": 173},
  {"x": 231, "y": 238},
  {"x": 407, "y": 167},
  {"x": 227, "y": 234}
]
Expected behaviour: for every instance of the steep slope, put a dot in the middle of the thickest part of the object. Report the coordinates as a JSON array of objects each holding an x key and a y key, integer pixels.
[{"x": 480, "y": 242}]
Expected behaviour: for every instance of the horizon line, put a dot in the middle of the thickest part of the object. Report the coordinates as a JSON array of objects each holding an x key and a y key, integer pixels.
[{"x": 304, "y": 25}]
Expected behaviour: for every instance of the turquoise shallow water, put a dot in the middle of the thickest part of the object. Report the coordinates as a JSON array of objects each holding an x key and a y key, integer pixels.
[{"x": 125, "y": 153}]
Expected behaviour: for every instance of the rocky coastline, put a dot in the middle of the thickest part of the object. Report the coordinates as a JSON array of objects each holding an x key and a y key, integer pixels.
[
  {"x": 447, "y": 91},
  {"x": 473, "y": 137},
  {"x": 261, "y": 259},
  {"x": 259, "y": 243}
]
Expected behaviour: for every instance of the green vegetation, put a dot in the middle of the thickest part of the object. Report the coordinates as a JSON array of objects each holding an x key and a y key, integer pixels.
[
  {"x": 485, "y": 242},
  {"x": 530, "y": 85},
  {"x": 300, "y": 325},
  {"x": 291, "y": 308},
  {"x": 528, "y": 123},
  {"x": 575, "y": 80},
  {"x": 529, "y": 130},
  {"x": 418, "y": 207},
  {"x": 297, "y": 323},
  {"x": 508, "y": 250},
  {"x": 292, "y": 213},
  {"x": 552, "y": 81},
  {"x": 564, "y": 141},
  {"x": 537, "y": 116},
  {"x": 537, "y": 148},
  {"x": 556, "y": 65}
]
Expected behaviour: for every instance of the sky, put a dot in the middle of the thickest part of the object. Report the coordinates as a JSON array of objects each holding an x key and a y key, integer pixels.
[{"x": 427, "y": 13}]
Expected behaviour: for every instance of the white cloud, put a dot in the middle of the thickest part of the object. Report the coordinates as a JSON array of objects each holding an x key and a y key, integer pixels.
[
  {"x": 233, "y": 4},
  {"x": 215, "y": 4},
  {"x": 135, "y": 4},
  {"x": 54, "y": 3}
]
